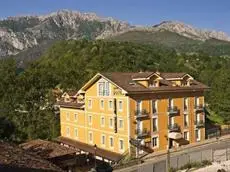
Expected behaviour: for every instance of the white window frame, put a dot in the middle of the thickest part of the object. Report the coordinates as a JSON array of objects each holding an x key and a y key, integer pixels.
[
  {"x": 120, "y": 110},
  {"x": 103, "y": 144},
  {"x": 102, "y": 100},
  {"x": 154, "y": 117},
  {"x": 156, "y": 106},
  {"x": 157, "y": 146},
  {"x": 75, "y": 114},
  {"x": 104, "y": 91},
  {"x": 111, "y": 126},
  {"x": 68, "y": 131},
  {"x": 186, "y": 102},
  {"x": 90, "y": 106},
  {"x": 110, "y": 108},
  {"x": 90, "y": 122},
  {"x": 67, "y": 116},
  {"x": 121, "y": 150},
  {"x": 90, "y": 141},
  {"x": 199, "y": 135},
  {"x": 187, "y": 135},
  {"x": 75, "y": 129},
  {"x": 111, "y": 137},
  {"x": 102, "y": 125},
  {"x": 186, "y": 118},
  {"x": 172, "y": 103},
  {"x": 121, "y": 119}
]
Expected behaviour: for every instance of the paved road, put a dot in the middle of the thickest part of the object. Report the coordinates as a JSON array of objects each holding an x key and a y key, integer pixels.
[{"x": 147, "y": 165}]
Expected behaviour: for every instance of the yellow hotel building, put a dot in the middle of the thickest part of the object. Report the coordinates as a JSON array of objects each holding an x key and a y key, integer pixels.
[{"x": 133, "y": 113}]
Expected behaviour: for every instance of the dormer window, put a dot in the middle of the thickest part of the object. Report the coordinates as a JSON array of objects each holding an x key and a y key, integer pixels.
[
  {"x": 153, "y": 84},
  {"x": 103, "y": 88}
]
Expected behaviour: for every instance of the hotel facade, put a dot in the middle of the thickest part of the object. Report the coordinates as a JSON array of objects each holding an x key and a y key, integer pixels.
[{"x": 133, "y": 113}]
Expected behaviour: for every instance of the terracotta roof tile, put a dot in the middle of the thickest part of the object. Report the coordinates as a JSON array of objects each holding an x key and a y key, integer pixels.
[
  {"x": 13, "y": 156},
  {"x": 89, "y": 148},
  {"x": 46, "y": 149},
  {"x": 70, "y": 104},
  {"x": 124, "y": 80},
  {"x": 172, "y": 75}
]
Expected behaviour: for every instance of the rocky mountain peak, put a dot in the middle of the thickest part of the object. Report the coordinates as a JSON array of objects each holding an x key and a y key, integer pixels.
[{"x": 191, "y": 32}]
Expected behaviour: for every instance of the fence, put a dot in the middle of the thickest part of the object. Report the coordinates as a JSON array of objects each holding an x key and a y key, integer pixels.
[
  {"x": 216, "y": 132},
  {"x": 178, "y": 161}
]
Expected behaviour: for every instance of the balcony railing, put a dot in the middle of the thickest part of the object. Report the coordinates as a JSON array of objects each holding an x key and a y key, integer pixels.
[
  {"x": 199, "y": 107},
  {"x": 174, "y": 128},
  {"x": 143, "y": 114},
  {"x": 173, "y": 110},
  {"x": 142, "y": 133},
  {"x": 199, "y": 124}
]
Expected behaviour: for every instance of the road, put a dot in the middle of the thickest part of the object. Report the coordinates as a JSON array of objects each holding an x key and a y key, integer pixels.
[{"x": 148, "y": 163}]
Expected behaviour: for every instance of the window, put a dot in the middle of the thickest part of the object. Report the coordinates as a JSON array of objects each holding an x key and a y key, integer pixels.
[
  {"x": 197, "y": 132},
  {"x": 110, "y": 104},
  {"x": 67, "y": 131},
  {"x": 102, "y": 121},
  {"x": 103, "y": 139},
  {"x": 90, "y": 137},
  {"x": 121, "y": 123},
  {"x": 90, "y": 104},
  {"x": 121, "y": 144},
  {"x": 102, "y": 104},
  {"x": 171, "y": 121},
  {"x": 120, "y": 105},
  {"x": 103, "y": 88},
  {"x": 75, "y": 116},
  {"x": 170, "y": 102},
  {"x": 155, "y": 141},
  {"x": 90, "y": 120},
  {"x": 67, "y": 117},
  {"x": 186, "y": 104},
  {"x": 186, "y": 122},
  {"x": 154, "y": 124},
  {"x": 154, "y": 106},
  {"x": 76, "y": 132},
  {"x": 111, "y": 122},
  {"x": 111, "y": 142},
  {"x": 196, "y": 101},
  {"x": 153, "y": 84},
  {"x": 186, "y": 135}
]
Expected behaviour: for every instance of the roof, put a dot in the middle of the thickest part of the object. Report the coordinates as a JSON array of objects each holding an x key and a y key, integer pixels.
[
  {"x": 172, "y": 75},
  {"x": 89, "y": 148},
  {"x": 124, "y": 79},
  {"x": 13, "y": 156},
  {"x": 70, "y": 104},
  {"x": 46, "y": 149}
]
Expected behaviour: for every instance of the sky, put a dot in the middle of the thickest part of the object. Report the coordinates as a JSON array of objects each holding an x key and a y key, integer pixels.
[{"x": 207, "y": 14}]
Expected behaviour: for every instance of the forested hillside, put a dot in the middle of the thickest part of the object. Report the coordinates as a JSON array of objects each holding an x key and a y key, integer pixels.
[
  {"x": 26, "y": 100},
  {"x": 181, "y": 44}
]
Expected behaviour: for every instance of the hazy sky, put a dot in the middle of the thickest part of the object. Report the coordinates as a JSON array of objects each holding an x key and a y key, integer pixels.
[{"x": 210, "y": 14}]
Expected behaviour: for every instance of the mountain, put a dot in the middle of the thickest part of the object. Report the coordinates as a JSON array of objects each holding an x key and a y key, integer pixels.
[
  {"x": 182, "y": 37},
  {"x": 28, "y": 37},
  {"x": 20, "y": 33}
]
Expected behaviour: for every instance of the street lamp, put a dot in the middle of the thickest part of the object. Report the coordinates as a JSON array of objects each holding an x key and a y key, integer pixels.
[{"x": 95, "y": 161}]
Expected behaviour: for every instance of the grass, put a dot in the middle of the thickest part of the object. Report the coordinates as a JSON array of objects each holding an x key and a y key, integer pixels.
[{"x": 190, "y": 165}]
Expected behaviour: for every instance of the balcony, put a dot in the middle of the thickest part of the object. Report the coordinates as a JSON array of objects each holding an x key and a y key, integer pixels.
[
  {"x": 141, "y": 134},
  {"x": 174, "y": 127},
  {"x": 141, "y": 115},
  {"x": 173, "y": 110},
  {"x": 199, "y": 108},
  {"x": 199, "y": 124}
]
